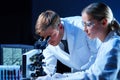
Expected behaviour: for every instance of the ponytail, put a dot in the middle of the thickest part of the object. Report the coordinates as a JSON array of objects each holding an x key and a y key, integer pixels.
[{"x": 115, "y": 26}]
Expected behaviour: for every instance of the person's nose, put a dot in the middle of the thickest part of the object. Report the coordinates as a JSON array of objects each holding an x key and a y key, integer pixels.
[{"x": 85, "y": 28}]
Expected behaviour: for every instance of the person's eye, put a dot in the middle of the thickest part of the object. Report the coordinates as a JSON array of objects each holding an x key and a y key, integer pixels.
[
  {"x": 53, "y": 35},
  {"x": 87, "y": 23}
]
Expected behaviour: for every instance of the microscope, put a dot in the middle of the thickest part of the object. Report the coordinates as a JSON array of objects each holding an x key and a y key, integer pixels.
[{"x": 32, "y": 60}]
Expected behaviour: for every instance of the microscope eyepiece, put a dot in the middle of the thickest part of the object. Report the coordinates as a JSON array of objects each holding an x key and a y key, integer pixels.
[{"x": 41, "y": 43}]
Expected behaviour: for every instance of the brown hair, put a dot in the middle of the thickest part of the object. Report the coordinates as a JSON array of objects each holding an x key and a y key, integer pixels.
[
  {"x": 100, "y": 11},
  {"x": 47, "y": 19}
]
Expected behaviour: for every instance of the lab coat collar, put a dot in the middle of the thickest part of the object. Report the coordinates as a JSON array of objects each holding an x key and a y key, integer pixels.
[
  {"x": 64, "y": 36},
  {"x": 110, "y": 34}
]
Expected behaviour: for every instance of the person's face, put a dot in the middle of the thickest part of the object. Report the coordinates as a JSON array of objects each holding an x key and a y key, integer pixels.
[
  {"x": 54, "y": 34},
  {"x": 92, "y": 27}
]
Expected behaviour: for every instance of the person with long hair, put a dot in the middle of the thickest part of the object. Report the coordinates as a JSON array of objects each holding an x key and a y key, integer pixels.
[
  {"x": 68, "y": 29},
  {"x": 98, "y": 21}
]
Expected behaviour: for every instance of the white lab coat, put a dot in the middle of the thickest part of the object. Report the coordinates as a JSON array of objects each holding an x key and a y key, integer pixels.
[
  {"x": 80, "y": 47},
  {"x": 106, "y": 65}
]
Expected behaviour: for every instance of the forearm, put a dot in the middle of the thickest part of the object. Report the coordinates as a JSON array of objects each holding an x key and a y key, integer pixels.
[
  {"x": 50, "y": 62},
  {"x": 65, "y": 58}
]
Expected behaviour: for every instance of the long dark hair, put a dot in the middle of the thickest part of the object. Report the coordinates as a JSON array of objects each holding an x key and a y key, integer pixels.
[{"x": 100, "y": 11}]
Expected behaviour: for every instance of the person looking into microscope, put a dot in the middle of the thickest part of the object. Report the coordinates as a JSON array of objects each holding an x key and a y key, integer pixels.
[
  {"x": 69, "y": 29},
  {"x": 98, "y": 21}
]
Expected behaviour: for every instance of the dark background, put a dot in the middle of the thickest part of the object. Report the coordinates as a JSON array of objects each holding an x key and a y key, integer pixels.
[{"x": 18, "y": 17}]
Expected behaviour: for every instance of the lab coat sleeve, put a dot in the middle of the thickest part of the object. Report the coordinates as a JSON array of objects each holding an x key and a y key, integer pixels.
[
  {"x": 50, "y": 61},
  {"x": 108, "y": 69},
  {"x": 64, "y": 57},
  {"x": 51, "y": 54}
]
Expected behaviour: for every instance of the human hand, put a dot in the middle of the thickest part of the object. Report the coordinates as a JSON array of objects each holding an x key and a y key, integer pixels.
[
  {"x": 47, "y": 77},
  {"x": 58, "y": 75}
]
